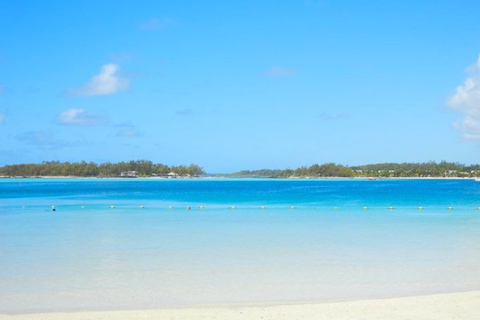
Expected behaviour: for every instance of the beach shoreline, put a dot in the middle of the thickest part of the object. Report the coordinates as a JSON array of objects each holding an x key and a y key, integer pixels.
[{"x": 460, "y": 305}]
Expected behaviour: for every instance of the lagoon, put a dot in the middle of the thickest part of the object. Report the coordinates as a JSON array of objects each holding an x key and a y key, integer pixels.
[{"x": 89, "y": 256}]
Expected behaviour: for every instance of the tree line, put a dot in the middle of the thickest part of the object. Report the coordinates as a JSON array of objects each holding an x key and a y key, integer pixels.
[
  {"x": 381, "y": 170},
  {"x": 90, "y": 169},
  {"x": 144, "y": 168}
]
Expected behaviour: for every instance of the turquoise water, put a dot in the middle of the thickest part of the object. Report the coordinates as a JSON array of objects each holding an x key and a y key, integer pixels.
[{"x": 88, "y": 256}]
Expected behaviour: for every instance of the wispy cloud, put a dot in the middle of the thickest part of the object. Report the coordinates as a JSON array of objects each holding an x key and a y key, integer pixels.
[
  {"x": 467, "y": 101},
  {"x": 2, "y": 117},
  {"x": 185, "y": 112},
  {"x": 314, "y": 3},
  {"x": 128, "y": 130},
  {"x": 334, "y": 117},
  {"x": 107, "y": 82},
  {"x": 40, "y": 139},
  {"x": 128, "y": 133},
  {"x": 280, "y": 72},
  {"x": 156, "y": 24},
  {"x": 121, "y": 57},
  {"x": 80, "y": 117}
]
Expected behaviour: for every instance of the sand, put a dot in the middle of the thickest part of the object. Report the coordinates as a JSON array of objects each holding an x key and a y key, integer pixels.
[{"x": 464, "y": 305}]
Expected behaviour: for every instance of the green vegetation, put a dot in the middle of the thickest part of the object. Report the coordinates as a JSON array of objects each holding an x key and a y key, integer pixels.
[
  {"x": 142, "y": 168},
  {"x": 381, "y": 170}
]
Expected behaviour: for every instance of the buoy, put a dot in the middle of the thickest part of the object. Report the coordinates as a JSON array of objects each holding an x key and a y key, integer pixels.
[
  {"x": 141, "y": 207},
  {"x": 365, "y": 208},
  {"x": 53, "y": 208},
  {"x": 292, "y": 207},
  {"x": 83, "y": 207},
  {"x": 170, "y": 207},
  {"x": 478, "y": 208},
  {"x": 23, "y": 207},
  {"x": 450, "y": 208},
  {"x": 420, "y": 208},
  {"x": 188, "y": 208},
  {"x": 335, "y": 208},
  {"x": 262, "y": 207},
  {"x": 112, "y": 207},
  {"x": 201, "y": 207},
  {"x": 232, "y": 207},
  {"x": 391, "y": 208}
]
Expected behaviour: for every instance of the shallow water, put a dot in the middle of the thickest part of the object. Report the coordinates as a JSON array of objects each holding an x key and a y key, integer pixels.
[{"x": 329, "y": 247}]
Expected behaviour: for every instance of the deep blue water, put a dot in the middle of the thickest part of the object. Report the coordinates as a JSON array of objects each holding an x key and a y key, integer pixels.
[
  {"x": 86, "y": 255},
  {"x": 346, "y": 193}
]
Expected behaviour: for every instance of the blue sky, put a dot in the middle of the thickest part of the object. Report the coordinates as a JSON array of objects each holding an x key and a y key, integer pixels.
[{"x": 234, "y": 85}]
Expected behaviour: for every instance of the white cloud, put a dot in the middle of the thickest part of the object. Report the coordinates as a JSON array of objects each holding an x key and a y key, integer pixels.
[
  {"x": 105, "y": 83},
  {"x": 467, "y": 101},
  {"x": 80, "y": 117},
  {"x": 279, "y": 72},
  {"x": 2, "y": 117}
]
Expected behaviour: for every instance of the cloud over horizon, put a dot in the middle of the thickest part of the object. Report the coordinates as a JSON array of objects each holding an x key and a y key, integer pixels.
[
  {"x": 107, "y": 82},
  {"x": 80, "y": 117},
  {"x": 467, "y": 101}
]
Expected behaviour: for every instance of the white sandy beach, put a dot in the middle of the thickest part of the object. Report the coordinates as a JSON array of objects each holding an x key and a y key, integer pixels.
[{"x": 464, "y": 305}]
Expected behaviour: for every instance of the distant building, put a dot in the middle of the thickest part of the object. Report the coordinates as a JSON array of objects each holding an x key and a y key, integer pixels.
[
  {"x": 450, "y": 173},
  {"x": 172, "y": 175},
  {"x": 129, "y": 174}
]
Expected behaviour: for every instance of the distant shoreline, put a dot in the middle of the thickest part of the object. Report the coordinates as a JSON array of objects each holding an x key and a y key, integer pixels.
[
  {"x": 245, "y": 177},
  {"x": 148, "y": 169}
]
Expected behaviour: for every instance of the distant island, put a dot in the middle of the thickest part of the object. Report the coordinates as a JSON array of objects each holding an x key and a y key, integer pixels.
[
  {"x": 145, "y": 168},
  {"x": 130, "y": 169},
  {"x": 382, "y": 170}
]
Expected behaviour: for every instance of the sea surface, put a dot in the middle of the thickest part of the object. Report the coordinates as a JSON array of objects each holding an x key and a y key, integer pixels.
[{"x": 153, "y": 243}]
